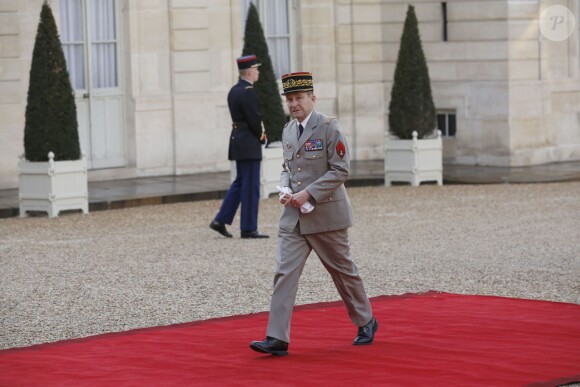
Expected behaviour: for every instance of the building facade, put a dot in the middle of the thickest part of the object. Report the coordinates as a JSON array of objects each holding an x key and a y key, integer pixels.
[{"x": 151, "y": 77}]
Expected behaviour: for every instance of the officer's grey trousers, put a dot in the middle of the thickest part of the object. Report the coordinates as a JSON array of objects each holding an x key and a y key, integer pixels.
[{"x": 334, "y": 251}]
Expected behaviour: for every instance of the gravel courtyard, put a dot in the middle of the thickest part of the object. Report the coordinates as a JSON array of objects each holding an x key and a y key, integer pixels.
[{"x": 81, "y": 275}]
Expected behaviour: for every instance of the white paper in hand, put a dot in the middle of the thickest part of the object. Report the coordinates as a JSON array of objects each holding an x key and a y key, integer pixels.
[{"x": 305, "y": 208}]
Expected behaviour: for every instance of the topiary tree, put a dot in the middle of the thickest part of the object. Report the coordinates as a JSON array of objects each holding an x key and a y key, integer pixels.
[
  {"x": 51, "y": 117},
  {"x": 267, "y": 88},
  {"x": 411, "y": 107}
]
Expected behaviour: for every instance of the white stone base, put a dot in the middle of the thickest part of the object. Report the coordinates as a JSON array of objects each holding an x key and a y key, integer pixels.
[
  {"x": 272, "y": 161},
  {"x": 53, "y": 186},
  {"x": 414, "y": 161}
]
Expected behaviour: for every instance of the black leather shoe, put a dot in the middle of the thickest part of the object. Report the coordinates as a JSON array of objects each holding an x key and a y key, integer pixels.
[
  {"x": 366, "y": 333},
  {"x": 253, "y": 234},
  {"x": 220, "y": 227},
  {"x": 270, "y": 345}
]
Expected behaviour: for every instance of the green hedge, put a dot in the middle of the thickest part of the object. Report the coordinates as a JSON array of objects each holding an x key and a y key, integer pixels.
[
  {"x": 267, "y": 88},
  {"x": 411, "y": 107},
  {"x": 51, "y": 118}
]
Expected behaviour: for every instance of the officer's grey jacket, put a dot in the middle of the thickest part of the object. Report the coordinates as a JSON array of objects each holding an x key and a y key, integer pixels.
[{"x": 318, "y": 162}]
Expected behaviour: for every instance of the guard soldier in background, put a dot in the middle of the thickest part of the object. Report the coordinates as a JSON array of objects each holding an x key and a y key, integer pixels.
[
  {"x": 246, "y": 149},
  {"x": 316, "y": 165}
]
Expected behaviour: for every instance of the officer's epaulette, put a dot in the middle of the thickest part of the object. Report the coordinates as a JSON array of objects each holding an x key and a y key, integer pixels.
[
  {"x": 328, "y": 120},
  {"x": 249, "y": 87}
]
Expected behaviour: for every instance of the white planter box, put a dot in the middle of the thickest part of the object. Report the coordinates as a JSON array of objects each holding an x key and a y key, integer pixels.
[
  {"x": 272, "y": 160},
  {"x": 53, "y": 186},
  {"x": 414, "y": 161}
]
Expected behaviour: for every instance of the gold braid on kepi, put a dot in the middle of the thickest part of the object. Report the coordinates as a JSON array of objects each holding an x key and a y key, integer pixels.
[{"x": 294, "y": 82}]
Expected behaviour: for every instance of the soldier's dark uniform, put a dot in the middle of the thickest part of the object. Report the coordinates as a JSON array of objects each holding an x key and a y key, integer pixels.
[
  {"x": 247, "y": 123},
  {"x": 245, "y": 148}
]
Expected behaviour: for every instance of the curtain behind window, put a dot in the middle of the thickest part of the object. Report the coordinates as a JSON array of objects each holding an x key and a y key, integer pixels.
[
  {"x": 103, "y": 43},
  {"x": 103, "y": 36},
  {"x": 275, "y": 22},
  {"x": 73, "y": 41},
  {"x": 278, "y": 33}
]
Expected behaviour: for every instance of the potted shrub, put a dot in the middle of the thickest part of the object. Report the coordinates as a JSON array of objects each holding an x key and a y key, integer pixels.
[
  {"x": 52, "y": 171},
  {"x": 273, "y": 117},
  {"x": 413, "y": 147},
  {"x": 267, "y": 87}
]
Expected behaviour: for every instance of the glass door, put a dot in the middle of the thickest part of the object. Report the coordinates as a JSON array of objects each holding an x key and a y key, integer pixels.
[{"x": 90, "y": 39}]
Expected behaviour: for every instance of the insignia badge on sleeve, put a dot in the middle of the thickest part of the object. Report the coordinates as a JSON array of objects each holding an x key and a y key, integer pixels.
[
  {"x": 313, "y": 145},
  {"x": 340, "y": 149}
]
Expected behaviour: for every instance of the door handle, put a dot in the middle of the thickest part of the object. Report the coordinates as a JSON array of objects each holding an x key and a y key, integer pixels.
[{"x": 86, "y": 95}]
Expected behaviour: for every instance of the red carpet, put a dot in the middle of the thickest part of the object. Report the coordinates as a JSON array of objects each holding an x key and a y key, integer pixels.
[{"x": 435, "y": 339}]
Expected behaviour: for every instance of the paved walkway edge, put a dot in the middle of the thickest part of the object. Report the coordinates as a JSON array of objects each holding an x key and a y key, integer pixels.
[{"x": 364, "y": 173}]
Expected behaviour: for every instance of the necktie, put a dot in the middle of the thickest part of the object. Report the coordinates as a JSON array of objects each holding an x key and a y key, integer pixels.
[{"x": 301, "y": 129}]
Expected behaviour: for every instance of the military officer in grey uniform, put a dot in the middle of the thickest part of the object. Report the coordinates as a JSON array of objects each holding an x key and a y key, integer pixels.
[{"x": 316, "y": 165}]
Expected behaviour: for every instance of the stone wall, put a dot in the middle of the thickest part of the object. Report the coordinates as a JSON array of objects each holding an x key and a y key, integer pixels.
[
  {"x": 517, "y": 98},
  {"x": 207, "y": 39},
  {"x": 519, "y": 88},
  {"x": 544, "y": 89},
  {"x": 362, "y": 75},
  {"x": 177, "y": 65},
  {"x": 18, "y": 23},
  {"x": 181, "y": 66}
]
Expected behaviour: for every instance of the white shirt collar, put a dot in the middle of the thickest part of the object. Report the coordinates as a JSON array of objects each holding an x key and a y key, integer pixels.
[{"x": 305, "y": 122}]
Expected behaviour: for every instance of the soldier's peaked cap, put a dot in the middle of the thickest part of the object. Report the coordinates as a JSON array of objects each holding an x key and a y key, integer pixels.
[
  {"x": 247, "y": 61},
  {"x": 294, "y": 82}
]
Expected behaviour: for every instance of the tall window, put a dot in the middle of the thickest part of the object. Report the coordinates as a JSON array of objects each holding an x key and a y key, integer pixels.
[
  {"x": 72, "y": 35},
  {"x": 103, "y": 43},
  {"x": 101, "y": 36},
  {"x": 275, "y": 19},
  {"x": 91, "y": 44}
]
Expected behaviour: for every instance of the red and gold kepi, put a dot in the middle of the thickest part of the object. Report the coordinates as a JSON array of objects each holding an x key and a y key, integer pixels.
[
  {"x": 294, "y": 82},
  {"x": 247, "y": 61}
]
